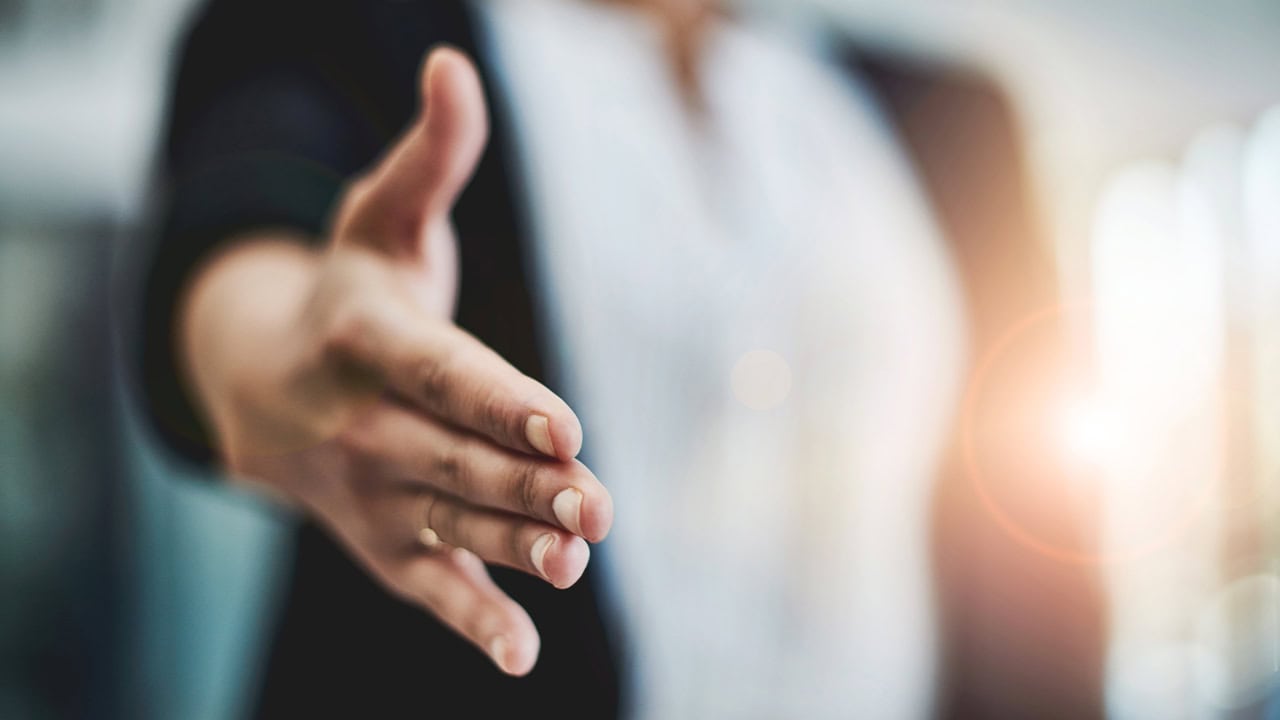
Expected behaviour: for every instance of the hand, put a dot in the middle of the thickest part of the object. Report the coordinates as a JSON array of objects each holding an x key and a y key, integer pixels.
[{"x": 337, "y": 380}]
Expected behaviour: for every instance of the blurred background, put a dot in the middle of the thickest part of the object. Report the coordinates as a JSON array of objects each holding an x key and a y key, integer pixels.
[{"x": 1155, "y": 160}]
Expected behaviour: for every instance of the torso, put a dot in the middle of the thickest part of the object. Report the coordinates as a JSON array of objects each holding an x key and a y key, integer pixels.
[{"x": 782, "y": 235}]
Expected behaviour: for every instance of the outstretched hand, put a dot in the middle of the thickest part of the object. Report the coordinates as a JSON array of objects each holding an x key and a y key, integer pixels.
[{"x": 337, "y": 379}]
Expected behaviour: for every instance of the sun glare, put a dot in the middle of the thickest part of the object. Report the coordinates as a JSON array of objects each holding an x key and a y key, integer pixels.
[{"x": 1088, "y": 431}]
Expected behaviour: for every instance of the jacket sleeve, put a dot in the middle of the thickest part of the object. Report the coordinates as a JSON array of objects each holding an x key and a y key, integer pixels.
[{"x": 273, "y": 106}]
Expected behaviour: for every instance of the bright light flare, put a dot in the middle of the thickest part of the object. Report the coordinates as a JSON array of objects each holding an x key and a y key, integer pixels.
[{"x": 1089, "y": 431}]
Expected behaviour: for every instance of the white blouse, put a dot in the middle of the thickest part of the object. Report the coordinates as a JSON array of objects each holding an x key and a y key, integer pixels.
[{"x": 761, "y": 330}]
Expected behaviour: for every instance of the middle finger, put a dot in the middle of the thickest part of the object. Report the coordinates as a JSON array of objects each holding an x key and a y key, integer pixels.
[{"x": 435, "y": 455}]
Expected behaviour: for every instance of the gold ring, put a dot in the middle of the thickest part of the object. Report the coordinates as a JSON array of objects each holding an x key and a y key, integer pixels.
[{"x": 429, "y": 538}]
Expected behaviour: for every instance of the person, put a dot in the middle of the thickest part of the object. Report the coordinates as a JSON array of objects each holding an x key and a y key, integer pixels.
[{"x": 711, "y": 238}]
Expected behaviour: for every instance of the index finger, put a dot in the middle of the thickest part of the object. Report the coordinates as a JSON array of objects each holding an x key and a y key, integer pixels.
[{"x": 450, "y": 374}]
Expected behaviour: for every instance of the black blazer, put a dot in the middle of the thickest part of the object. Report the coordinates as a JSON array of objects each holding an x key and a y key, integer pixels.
[{"x": 277, "y": 102}]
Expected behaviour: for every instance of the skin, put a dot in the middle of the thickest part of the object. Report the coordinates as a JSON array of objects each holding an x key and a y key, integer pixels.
[
  {"x": 685, "y": 23},
  {"x": 336, "y": 381}
]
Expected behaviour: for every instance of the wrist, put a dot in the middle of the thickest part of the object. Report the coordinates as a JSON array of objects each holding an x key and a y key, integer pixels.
[{"x": 239, "y": 338}]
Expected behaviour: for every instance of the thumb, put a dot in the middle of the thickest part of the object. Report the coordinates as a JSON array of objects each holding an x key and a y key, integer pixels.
[{"x": 417, "y": 182}]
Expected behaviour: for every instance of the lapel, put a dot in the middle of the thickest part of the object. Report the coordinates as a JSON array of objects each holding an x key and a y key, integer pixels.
[{"x": 495, "y": 302}]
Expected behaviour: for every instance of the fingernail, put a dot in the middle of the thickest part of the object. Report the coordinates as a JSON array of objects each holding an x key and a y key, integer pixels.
[
  {"x": 537, "y": 430},
  {"x": 539, "y": 551},
  {"x": 568, "y": 509},
  {"x": 428, "y": 537},
  {"x": 498, "y": 652}
]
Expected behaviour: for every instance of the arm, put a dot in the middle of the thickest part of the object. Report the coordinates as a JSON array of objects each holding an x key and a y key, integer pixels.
[{"x": 333, "y": 377}]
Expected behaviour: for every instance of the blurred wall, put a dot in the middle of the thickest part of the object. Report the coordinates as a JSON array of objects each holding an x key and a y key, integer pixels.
[
  {"x": 131, "y": 588},
  {"x": 1098, "y": 83}
]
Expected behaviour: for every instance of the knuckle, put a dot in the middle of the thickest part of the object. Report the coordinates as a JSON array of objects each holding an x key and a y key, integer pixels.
[
  {"x": 431, "y": 377},
  {"x": 499, "y": 417},
  {"x": 449, "y": 468},
  {"x": 349, "y": 326},
  {"x": 524, "y": 487},
  {"x": 517, "y": 546}
]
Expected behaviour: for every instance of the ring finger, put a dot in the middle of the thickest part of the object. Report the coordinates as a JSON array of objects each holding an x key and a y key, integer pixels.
[{"x": 436, "y": 519}]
